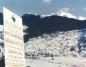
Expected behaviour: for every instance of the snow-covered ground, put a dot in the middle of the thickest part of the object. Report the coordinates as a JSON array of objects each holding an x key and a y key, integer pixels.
[
  {"x": 59, "y": 49},
  {"x": 57, "y": 62}
]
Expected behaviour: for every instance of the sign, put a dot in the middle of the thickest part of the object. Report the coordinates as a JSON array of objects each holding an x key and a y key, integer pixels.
[{"x": 13, "y": 40}]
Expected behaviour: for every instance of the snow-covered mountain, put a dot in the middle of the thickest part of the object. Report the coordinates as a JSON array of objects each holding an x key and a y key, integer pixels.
[
  {"x": 57, "y": 44},
  {"x": 59, "y": 49}
]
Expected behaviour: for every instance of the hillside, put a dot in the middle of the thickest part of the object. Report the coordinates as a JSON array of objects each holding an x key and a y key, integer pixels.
[
  {"x": 56, "y": 44},
  {"x": 54, "y": 41},
  {"x": 59, "y": 49},
  {"x": 38, "y": 25}
]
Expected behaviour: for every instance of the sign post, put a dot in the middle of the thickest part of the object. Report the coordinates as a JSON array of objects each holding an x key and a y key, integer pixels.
[{"x": 13, "y": 40}]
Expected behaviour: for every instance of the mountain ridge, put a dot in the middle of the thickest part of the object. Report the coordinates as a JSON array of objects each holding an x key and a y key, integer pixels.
[{"x": 45, "y": 25}]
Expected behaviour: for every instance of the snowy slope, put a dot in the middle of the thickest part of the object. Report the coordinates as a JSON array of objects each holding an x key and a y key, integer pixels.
[
  {"x": 56, "y": 44},
  {"x": 54, "y": 50},
  {"x": 57, "y": 62}
]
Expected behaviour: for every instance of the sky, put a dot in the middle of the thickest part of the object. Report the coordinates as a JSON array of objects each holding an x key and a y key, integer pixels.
[
  {"x": 1, "y": 5},
  {"x": 43, "y": 7}
]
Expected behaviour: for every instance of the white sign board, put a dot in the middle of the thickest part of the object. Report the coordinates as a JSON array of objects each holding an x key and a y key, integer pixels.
[{"x": 13, "y": 40}]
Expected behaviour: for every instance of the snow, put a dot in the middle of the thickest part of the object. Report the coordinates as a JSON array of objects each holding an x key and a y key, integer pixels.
[
  {"x": 53, "y": 50},
  {"x": 57, "y": 62},
  {"x": 53, "y": 44},
  {"x": 1, "y": 28}
]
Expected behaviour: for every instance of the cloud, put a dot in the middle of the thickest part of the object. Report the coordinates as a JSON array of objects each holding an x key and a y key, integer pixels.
[
  {"x": 47, "y": 1},
  {"x": 81, "y": 18},
  {"x": 25, "y": 27},
  {"x": 67, "y": 12}
]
